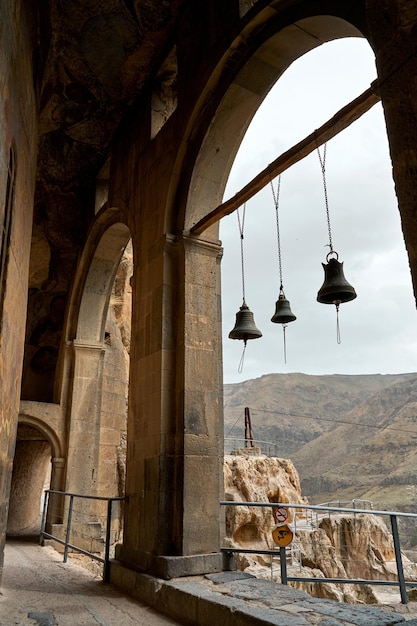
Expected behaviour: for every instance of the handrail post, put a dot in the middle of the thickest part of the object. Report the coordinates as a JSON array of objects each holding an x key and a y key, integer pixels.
[
  {"x": 283, "y": 564},
  {"x": 68, "y": 533},
  {"x": 397, "y": 549},
  {"x": 106, "y": 570},
  {"x": 45, "y": 507}
]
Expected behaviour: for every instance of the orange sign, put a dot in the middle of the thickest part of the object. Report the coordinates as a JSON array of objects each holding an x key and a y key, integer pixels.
[{"x": 282, "y": 535}]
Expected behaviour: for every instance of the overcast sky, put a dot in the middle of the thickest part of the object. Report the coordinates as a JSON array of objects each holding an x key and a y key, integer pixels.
[{"x": 378, "y": 328}]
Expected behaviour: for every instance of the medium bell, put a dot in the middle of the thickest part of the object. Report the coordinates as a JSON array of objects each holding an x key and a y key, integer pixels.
[
  {"x": 335, "y": 288},
  {"x": 283, "y": 313},
  {"x": 245, "y": 326}
]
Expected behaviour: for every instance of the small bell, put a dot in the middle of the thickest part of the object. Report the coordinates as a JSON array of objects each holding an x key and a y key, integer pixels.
[
  {"x": 335, "y": 288},
  {"x": 283, "y": 313},
  {"x": 245, "y": 326}
]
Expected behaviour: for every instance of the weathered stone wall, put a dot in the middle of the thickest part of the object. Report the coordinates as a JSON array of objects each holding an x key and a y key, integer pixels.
[
  {"x": 392, "y": 35},
  {"x": 18, "y": 133}
]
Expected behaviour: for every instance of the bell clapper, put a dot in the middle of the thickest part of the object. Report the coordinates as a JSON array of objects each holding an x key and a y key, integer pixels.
[
  {"x": 284, "y": 326},
  {"x": 242, "y": 358},
  {"x": 338, "y": 339}
]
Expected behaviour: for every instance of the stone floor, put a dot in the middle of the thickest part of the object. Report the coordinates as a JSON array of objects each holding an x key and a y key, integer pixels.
[{"x": 40, "y": 590}]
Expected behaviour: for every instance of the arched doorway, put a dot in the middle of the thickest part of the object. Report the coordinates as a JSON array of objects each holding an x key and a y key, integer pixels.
[{"x": 37, "y": 451}]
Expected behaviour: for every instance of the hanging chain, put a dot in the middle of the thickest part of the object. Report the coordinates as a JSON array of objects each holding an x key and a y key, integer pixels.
[
  {"x": 323, "y": 171},
  {"x": 275, "y": 195},
  {"x": 241, "y": 227}
]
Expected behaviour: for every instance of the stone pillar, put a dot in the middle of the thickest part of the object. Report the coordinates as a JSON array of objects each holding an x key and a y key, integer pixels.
[
  {"x": 56, "y": 502},
  {"x": 84, "y": 419},
  {"x": 392, "y": 34},
  {"x": 202, "y": 397},
  {"x": 174, "y": 474}
]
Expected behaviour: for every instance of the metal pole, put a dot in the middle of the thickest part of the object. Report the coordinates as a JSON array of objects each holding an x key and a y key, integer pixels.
[
  {"x": 43, "y": 524},
  {"x": 397, "y": 548},
  {"x": 283, "y": 563},
  {"x": 106, "y": 571},
  {"x": 67, "y": 537}
]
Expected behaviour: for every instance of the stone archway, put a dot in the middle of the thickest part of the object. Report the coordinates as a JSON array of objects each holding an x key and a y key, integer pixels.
[
  {"x": 236, "y": 109},
  {"x": 175, "y": 432},
  {"x": 96, "y": 411},
  {"x": 37, "y": 462},
  {"x": 175, "y": 419},
  {"x": 242, "y": 100}
]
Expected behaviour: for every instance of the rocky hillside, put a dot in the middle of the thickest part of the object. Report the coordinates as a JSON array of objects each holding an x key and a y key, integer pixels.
[
  {"x": 373, "y": 455},
  {"x": 363, "y": 430},
  {"x": 324, "y": 546}
]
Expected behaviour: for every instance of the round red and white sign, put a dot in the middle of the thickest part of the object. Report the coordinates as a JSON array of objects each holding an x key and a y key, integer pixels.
[{"x": 280, "y": 514}]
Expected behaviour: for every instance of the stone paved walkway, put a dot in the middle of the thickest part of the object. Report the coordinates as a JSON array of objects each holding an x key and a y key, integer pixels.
[{"x": 40, "y": 590}]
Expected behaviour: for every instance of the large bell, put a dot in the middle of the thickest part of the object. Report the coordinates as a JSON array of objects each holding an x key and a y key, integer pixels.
[
  {"x": 245, "y": 326},
  {"x": 283, "y": 313},
  {"x": 335, "y": 288}
]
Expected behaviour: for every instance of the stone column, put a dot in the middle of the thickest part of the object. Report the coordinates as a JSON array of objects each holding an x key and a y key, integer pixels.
[
  {"x": 202, "y": 397},
  {"x": 174, "y": 474},
  {"x": 392, "y": 34},
  {"x": 84, "y": 418},
  {"x": 56, "y": 502}
]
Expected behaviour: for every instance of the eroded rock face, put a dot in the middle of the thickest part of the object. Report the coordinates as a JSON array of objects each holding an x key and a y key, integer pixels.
[
  {"x": 324, "y": 546},
  {"x": 257, "y": 479}
]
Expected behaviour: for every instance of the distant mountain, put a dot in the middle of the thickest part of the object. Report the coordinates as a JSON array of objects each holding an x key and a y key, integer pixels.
[{"x": 348, "y": 436}]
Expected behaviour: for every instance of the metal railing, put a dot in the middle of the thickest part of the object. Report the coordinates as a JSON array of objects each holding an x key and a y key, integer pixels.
[
  {"x": 69, "y": 524},
  {"x": 311, "y": 509},
  {"x": 355, "y": 503},
  {"x": 239, "y": 445}
]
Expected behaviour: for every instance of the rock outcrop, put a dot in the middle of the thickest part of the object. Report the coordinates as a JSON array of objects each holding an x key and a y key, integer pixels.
[{"x": 325, "y": 545}]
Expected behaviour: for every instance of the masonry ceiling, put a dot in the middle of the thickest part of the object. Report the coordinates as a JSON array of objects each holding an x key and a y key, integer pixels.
[{"x": 93, "y": 59}]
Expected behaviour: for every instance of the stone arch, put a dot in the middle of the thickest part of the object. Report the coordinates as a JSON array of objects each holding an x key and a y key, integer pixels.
[
  {"x": 46, "y": 430},
  {"x": 37, "y": 466},
  {"x": 260, "y": 70},
  {"x": 185, "y": 438},
  {"x": 85, "y": 359},
  {"x": 108, "y": 238}
]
